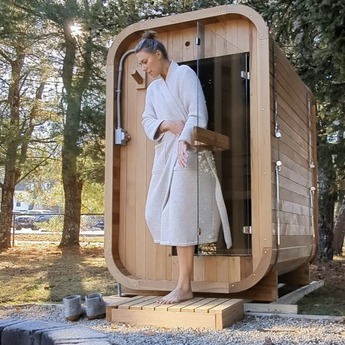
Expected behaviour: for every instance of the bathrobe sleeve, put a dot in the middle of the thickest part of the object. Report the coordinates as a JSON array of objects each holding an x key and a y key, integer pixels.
[
  {"x": 150, "y": 120},
  {"x": 193, "y": 100}
]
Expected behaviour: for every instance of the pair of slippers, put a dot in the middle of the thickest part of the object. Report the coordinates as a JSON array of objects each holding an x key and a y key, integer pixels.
[{"x": 95, "y": 307}]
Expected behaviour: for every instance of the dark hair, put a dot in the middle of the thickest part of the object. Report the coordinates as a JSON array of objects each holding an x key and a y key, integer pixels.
[{"x": 150, "y": 44}]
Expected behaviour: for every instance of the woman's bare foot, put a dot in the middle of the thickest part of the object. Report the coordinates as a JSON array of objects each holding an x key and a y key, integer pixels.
[{"x": 176, "y": 296}]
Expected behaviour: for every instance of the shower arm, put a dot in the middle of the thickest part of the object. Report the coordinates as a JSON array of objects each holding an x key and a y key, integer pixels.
[{"x": 121, "y": 135}]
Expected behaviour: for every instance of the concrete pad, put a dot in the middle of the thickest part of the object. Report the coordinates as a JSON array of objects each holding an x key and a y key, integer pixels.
[
  {"x": 37, "y": 332},
  {"x": 22, "y": 333},
  {"x": 73, "y": 335}
]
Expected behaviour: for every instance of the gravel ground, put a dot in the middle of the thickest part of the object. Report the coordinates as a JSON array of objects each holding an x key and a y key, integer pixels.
[{"x": 252, "y": 330}]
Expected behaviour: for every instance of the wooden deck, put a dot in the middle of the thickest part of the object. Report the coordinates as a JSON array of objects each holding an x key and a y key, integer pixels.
[{"x": 199, "y": 312}]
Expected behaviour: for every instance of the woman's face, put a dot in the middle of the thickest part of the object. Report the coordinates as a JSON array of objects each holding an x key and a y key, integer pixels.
[{"x": 150, "y": 62}]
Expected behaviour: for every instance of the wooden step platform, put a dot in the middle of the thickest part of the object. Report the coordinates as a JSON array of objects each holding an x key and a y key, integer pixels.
[{"x": 199, "y": 312}]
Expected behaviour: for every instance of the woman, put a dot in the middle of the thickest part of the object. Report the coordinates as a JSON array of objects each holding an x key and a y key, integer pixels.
[{"x": 174, "y": 105}]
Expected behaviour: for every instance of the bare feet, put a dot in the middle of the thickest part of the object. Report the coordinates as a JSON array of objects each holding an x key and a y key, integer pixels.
[{"x": 176, "y": 296}]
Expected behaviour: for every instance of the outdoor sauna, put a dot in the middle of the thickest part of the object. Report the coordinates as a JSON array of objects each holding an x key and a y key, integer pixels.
[{"x": 262, "y": 131}]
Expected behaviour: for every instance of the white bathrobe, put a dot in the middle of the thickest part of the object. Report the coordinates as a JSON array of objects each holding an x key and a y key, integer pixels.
[{"x": 184, "y": 205}]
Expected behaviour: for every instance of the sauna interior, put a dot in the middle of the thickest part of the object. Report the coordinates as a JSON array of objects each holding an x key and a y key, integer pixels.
[{"x": 267, "y": 171}]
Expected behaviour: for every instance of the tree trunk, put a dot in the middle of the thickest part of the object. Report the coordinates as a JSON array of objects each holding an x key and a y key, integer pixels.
[
  {"x": 326, "y": 216},
  {"x": 6, "y": 214},
  {"x": 339, "y": 232},
  {"x": 71, "y": 177},
  {"x": 12, "y": 172},
  {"x": 72, "y": 188}
]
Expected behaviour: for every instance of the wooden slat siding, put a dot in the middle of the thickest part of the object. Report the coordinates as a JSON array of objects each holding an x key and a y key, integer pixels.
[
  {"x": 289, "y": 74},
  {"x": 138, "y": 142},
  {"x": 210, "y": 272},
  {"x": 141, "y": 191},
  {"x": 287, "y": 206},
  {"x": 289, "y": 265},
  {"x": 291, "y": 219},
  {"x": 115, "y": 220},
  {"x": 222, "y": 43},
  {"x": 176, "y": 48},
  {"x": 174, "y": 267},
  {"x": 287, "y": 104},
  {"x": 295, "y": 174},
  {"x": 244, "y": 29},
  {"x": 292, "y": 186},
  {"x": 168, "y": 264},
  {"x": 234, "y": 268},
  {"x": 222, "y": 269},
  {"x": 199, "y": 273},
  {"x": 246, "y": 266},
  {"x": 159, "y": 263},
  {"x": 290, "y": 163},
  {"x": 294, "y": 241},
  {"x": 295, "y": 230},
  {"x": 149, "y": 257},
  {"x": 293, "y": 160},
  {"x": 219, "y": 39},
  {"x": 291, "y": 115},
  {"x": 291, "y": 93},
  {"x": 129, "y": 122},
  {"x": 288, "y": 173},
  {"x": 188, "y": 35},
  {"x": 300, "y": 252},
  {"x": 284, "y": 114},
  {"x": 286, "y": 194},
  {"x": 231, "y": 36},
  {"x": 208, "y": 44},
  {"x": 292, "y": 138}
]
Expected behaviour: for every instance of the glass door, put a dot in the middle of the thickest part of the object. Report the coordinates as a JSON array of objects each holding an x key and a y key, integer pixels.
[{"x": 224, "y": 172}]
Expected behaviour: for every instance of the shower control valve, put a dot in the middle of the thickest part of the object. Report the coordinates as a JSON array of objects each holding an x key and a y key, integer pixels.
[{"x": 121, "y": 136}]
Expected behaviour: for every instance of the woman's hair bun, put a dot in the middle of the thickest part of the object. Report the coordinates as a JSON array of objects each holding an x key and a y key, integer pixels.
[{"x": 151, "y": 35}]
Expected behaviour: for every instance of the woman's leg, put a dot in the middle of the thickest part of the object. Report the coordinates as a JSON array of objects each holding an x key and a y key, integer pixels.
[{"x": 183, "y": 290}]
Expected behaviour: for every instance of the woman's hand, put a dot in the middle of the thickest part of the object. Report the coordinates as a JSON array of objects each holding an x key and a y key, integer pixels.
[
  {"x": 175, "y": 127},
  {"x": 182, "y": 153}
]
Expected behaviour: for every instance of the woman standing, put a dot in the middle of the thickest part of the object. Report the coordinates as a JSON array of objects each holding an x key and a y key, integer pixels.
[{"x": 175, "y": 104}]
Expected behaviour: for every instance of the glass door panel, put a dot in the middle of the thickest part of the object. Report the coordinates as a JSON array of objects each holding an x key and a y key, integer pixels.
[{"x": 223, "y": 71}]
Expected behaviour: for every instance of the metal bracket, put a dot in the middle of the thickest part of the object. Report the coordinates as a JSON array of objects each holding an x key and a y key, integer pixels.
[
  {"x": 245, "y": 75},
  {"x": 120, "y": 136},
  {"x": 247, "y": 230}
]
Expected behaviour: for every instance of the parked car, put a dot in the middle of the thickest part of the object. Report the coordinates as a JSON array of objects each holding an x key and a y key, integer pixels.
[
  {"x": 100, "y": 224},
  {"x": 41, "y": 215},
  {"x": 27, "y": 222}
]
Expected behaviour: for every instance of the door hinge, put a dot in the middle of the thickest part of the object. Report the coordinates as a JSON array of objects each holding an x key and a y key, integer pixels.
[{"x": 245, "y": 75}]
